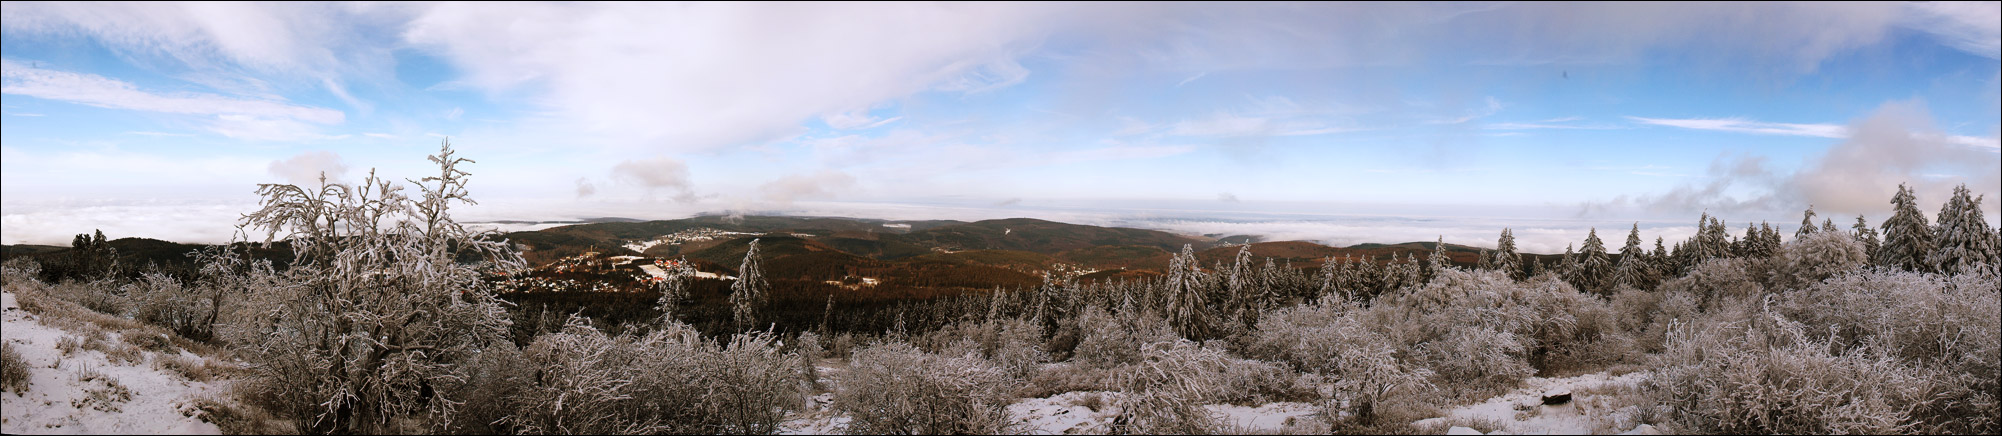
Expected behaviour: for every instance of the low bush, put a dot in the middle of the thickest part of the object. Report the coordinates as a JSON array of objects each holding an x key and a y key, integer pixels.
[
  {"x": 13, "y": 370},
  {"x": 1809, "y": 260},
  {"x": 1767, "y": 377},
  {"x": 669, "y": 380},
  {"x": 895, "y": 388}
]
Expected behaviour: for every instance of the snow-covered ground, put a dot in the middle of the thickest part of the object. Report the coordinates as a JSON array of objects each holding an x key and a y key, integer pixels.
[
  {"x": 1594, "y": 407},
  {"x": 86, "y": 393},
  {"x": 1067, "y": 413}
]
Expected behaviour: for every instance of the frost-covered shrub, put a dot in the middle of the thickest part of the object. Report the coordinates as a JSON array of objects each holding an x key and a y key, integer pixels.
[
  {"x": 1111, "y": 340},
  {"x": 1764, "y": 375},
  {"x": 497, "y": 375},
  {"x": 19, "y": 270},
  {"x": 376, "y": 313},
  {"x": 895, "y": 388},
  {"x": 101, "y": 295},
  {"x": 1644, "y": 316},
  {"x": 1476, "y": 356},
  {"x": 1951, "y": 327},
  {"x": 13, "y": 371},
  {"x": 1544, "y": 317},
  {"x": 1333, "y": 340},
  {"x": 1165, "y": 391},
  {"x": 667, "y": 381},
  {"x": 1718, "y": 282},
  {"x": 163, "y": 301},
  {"x": 1818, "y": 256},
  {"x": 1013, "y": 344}
]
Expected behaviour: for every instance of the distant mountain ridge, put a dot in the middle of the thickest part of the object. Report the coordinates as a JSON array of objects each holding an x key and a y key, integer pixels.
[{"x": 820, "y": 247}]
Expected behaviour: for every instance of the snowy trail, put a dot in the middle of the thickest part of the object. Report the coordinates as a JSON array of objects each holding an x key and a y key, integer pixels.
[
  {"x": 1593, "y": 408},
  {"x": 131, "y": 399}
]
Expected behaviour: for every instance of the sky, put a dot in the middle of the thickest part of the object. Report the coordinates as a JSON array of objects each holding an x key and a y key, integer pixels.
[{"x": 1333, "y": 122}]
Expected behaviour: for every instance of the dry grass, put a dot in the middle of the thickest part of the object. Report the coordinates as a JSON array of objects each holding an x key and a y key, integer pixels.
[{"x": 13, "y": 371}]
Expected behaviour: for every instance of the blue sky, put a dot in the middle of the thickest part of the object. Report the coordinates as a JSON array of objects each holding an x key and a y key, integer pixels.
[{"x": 158, "y": 119}]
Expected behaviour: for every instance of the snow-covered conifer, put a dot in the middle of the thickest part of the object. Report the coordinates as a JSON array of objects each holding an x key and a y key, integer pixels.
[
  {"x": 749, "y": 295},
  {"x": 673, "y": 289},
  {"x": 1806, "y": 224},
  {"x": 1593, "y": 265},
  {"x": 1506, "y": 259},
  {"x": 1964, "y": 242},
  {"x": 1188, "y": 307},
  {"x": 1867, "y": 236},
  {"x": 1908, "y": 238}
]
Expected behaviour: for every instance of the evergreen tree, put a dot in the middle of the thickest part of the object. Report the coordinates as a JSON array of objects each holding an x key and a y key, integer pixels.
[
  {"x": 1325, "y": 279},
  {"x": 1769, "y": 239},
  {"x": 1271, "y": 284},
  {"x": 1632, "y": 269},
  {"x": 1828, "y": 225},
  {"x": 1908, "y": 238},
  {"x": 1748, "y": 245},
  {"x": 1659, "y": 260},
  {"x": 749, "y": 295},
  {"x": 1711, "y": 241},
  {"x": 1593, "y": 266},
  {"x": 1535, "y": 266},
  {"x": 1964, "y": 241},
  {"x": 1187, "y": 306},
  {"x": 1240, "y": 286},
  {"x": 1806, "y": 224},
  {"x": 1567, "y": 269},
  {"x": 1486, "y": 260},
  {"x": 1437, "y": 261},
  {"x": 674, "y": 289},
  {"x": 1506, "y": 259},
  {"x": 1369, "y": 279},
  {"x": 1867, "y": 236}
]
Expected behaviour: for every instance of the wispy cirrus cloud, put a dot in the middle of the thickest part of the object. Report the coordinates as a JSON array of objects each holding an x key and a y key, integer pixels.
[
  {"x": 1834, "y": 131},
  {"x": 229, "y": 116},
  {"x": 1223, "y": 124},
  {"x": 1561, "y": 123},
  {"x": 1741, "y": 125},
  {"x": 1973, "y": 27}
]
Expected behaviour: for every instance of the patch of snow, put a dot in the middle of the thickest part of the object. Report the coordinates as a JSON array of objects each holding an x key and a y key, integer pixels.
[
  {"x": 1064, "y": 413},
  {"x": 130, "y": 399},
  {"x": 1269, "y": 416},
  {"x": 1523, "y": 412}
]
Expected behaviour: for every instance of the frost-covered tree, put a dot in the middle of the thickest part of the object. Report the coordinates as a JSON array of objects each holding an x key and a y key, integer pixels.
[
  {"x": 1769, "y": 239},
  {"x": 1188, "y": 307},
  {"x": 1486, "y": 260},
  {"x": 1806, "y": 224},
  {"x": 1964, "y": 241},
  {"x": 1659, "y": 260},
  {"x": 1370, "y": 278},
  {"x": 1828, "y": 225},
  {"x": 1437, "y": 260},
  {"x": 1594, "y": 268},
  {"x": 1908, "y": 238},
  {"x": 1710, "y": 242},
  {"x": 1567, "y": 268},
  {"x": 673, "y": 289},
  {"x": 1272, "y": 283},
  {"x": 1402, "y": 273},
  {"x": 1325, "y": 279},
  {"x": 749, "y": 295},
  {"x": 1240, "y": 287},
  {"x": 1867, "y": 236},
  {"x": 1633, "y": 269},
  {"x": 376, "y": 314},
  {"x": 1506, "y": 259}
]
